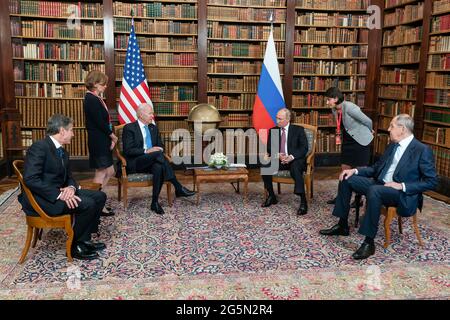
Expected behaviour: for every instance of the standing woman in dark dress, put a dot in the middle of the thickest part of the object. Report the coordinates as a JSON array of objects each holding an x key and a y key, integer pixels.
[
  {"x": 101, "y": 139},
  {"x": 353, "y": 130}
]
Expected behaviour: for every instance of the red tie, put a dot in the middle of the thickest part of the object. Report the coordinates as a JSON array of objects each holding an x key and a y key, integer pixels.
[{"x": 283, "y": 141}]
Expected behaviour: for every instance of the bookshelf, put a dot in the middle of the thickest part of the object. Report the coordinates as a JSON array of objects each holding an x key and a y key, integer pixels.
[
  {"x": 54, "y": 46},
  {"x": 167, "y": 32},
  {"x": 399, "y": 82},
  {"x": 330, "y": 49},
  {"x": 436, "y": 106}
]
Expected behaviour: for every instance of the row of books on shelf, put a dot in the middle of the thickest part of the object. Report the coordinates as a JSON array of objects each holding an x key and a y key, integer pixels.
[
  {"x": 405, "y": 54},
  {"x": 439, "y": 43},
  {"x": 404, "y": 15},
  {"x": 236, "y": 120},
  {"x": 172, "y": 108},
  {"x": 333, "y": 35},
  {"x": 401, "y": 35},
  {"x": 437, "y": 96},
  {"x": 238, "y": 49},
  {"x": 162, "y": 59},
  {"x": 442, "y": 160},
  {"x": 76, "y": 148},
  {"x": 244, "y": 101},
  {"x": 246, "y": 84},
  {"x": 332, "y": 4},
  {"x": 158, "y": 43},
  {"x": 36, "y": 112},
  {"x": 49, "y": 90},
  {"x": 380, "y": 143},
  {"x": 393, "y": 108},
  {"x": 438, "y": 135},
  {"x": 315, "y": 118},
  {"x": 169, "y": 126},
  {"x": 439, "y": 115},
  {"x": 55, "y": 9},
  {"x": 246, "y": 14},
  {"x": 441, "y": 5},
  {"x": 399, "y": 75},
  {"x": 311, "y": 51},
  {"x": 41, "y": 71},
  {"x": 439, "y": 61},
  {"x": 167, "y": 93},
  {"x": 162, "y": 73},
  {"x": 384, "y": 122},
  {"x": 332, "y": 20},
  {"x": 353, "y": 67},
  {"x": 319, "y": 100},
  {"x": 258, "y": 3},
  {"x": 394, "y": 3},
  {"x": 244, "y": 32},
  {"x": 440, "y": 23},
  {"x": 398, "y": 91},
  {"x": 438, "y": 80},
  {"x": 155, "y": 9},
  {"x": 320, "y": 83},
  {"x": 326, "y": 142},
  {"x": 58, "y": 51},
  {"x": 236, "y": 67},
  {"x": 56, "y": 30},
  {"x": 155, "y": 26}
]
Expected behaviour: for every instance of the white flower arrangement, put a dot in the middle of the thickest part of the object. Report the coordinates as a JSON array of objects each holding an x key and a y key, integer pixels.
[{"x": 218, "y": 160}]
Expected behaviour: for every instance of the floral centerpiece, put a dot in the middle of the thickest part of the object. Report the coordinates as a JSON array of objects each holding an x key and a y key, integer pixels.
[{"x": 218, "y": 160}]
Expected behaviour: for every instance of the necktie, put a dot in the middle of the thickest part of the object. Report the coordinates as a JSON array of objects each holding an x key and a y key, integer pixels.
[
  {"x": 283, "y": 141},
  {"x": 60, "y": 152},
  {"x": 388, "y": 163},
  {"x": 148, "y": 138}
]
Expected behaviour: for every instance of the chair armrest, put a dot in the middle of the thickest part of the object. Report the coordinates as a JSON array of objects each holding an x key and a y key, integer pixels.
[
  {"x": 310, "y": 162},
  {"x": 168, "y": 158}
]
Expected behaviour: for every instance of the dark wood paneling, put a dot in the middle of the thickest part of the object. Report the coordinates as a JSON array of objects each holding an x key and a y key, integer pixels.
[
  {"x": 289, "y": 53},
  {"x": 202, "y": 42},
  {"x": 108, "y": 33}
]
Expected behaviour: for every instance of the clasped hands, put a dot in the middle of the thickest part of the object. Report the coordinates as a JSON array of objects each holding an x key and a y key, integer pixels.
[
  {"x": 284, "y": 158},
  {"x": 69, "y": 197},
  {"x": 345, "y": 174}
]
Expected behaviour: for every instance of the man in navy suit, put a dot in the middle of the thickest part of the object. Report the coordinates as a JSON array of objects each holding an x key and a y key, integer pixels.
[
  {"x": 144, "y": 151},
  {"x": 404, "y": 171},
  {"x": 47, "y": 174}
]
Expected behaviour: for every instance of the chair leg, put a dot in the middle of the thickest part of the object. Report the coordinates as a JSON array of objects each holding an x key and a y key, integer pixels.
[
  {"x": 387, "y": 228},
  {"x": 400, "y": 225},
  {"x": 35, "y": 237},
  {"x": 119, "y": 191},
  {"x": 27, "y": 245},
  {"x": 308, "y": 187},
  {"x": 416, "y": 230},
  {"x": 125, "y": 195},
  {"x": 69, "y": 230},
  {"x": 279, "y": 187},
  {"x": 169, "y": 194},
  {"x": 357, "y": 207}
]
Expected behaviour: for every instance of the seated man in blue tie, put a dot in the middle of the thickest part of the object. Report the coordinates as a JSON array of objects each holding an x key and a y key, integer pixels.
[
  {"x": 404, "y": 171},
  {"x": 144, "y": 151}
]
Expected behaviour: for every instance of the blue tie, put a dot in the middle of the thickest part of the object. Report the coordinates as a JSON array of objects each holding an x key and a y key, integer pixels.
[
  {"x": 388, "y": 163},
  {"x": 60, "y": 152},
  {"x": 148, "y": 138}
]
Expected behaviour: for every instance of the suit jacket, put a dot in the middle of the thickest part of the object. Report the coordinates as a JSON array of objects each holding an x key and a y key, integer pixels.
[
  {"x": 133, "y": 142},
  {"x": 297, "y": 143},
  {"x": 44, "y": 173},
  {"x": 357, "y": 124},
  {"x": 415, "y": 169}
]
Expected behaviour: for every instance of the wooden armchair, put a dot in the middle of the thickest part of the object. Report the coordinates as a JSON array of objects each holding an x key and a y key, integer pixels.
[
  {"x": 284, "y": 176},
  {"x": 390, "y": 213},
  {"x": 36, "y": 224},
  {"x": 126, "y": 180}
]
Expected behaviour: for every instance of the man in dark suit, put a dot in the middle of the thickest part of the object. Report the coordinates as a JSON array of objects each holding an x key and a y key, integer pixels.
[
  {"x": 47, "y": 174},
  {"x": 144, "y": 151},
  {"x": 291, "y": 155},
  {"x": 404, "y": 171}
]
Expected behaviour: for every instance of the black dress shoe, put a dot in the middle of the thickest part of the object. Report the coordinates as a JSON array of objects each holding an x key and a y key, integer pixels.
[
  {"x": 108, "y": 213},
  {"x": 184, "y": 192},
  {"x": 332, "y": 201},
  {"x": 270, "y": 201},
  {"x": 303, "y": 209},
  {"x": 82, "y": 252},
  {"x": 335, "y": 230},
  {"x": 94, "y": 246},
  {"x": 157, "y": 208},
  {"x": 365, "y": 251}
]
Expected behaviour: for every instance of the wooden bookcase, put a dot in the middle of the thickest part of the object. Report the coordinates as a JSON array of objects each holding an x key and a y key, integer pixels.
[
  {"x": 436, "y": 106},
  {"x": 330, "y": 49},
  {"x": 52, "y": 53}
]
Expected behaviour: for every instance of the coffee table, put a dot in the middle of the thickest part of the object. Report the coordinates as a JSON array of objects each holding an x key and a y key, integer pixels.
[{"x": 211, "y": 175}]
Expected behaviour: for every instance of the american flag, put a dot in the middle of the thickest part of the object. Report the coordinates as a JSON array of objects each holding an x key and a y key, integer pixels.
[{"x": 134, "y": 89}]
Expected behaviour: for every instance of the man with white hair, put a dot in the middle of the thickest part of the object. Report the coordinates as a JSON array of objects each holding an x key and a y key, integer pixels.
[
  {"x": 404, "y": 171},
  {"x": 144, "y": 151}
]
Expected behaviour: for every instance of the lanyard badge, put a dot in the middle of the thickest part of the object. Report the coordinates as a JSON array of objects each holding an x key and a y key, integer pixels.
[{"x": 338, "y": 128}]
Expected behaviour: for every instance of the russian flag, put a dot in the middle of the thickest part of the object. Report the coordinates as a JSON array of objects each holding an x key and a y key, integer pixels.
[{"x": 269, "y": 98}]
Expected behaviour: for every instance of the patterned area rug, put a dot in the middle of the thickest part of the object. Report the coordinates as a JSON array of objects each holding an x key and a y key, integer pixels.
[{"x": 225, "y": 249}]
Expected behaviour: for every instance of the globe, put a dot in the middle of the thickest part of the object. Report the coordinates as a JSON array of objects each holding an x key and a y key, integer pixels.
[{"x": 206, "y": 115}]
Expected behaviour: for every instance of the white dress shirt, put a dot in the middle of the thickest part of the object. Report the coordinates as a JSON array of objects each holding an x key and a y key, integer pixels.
[{"x": 403, "y": 144}]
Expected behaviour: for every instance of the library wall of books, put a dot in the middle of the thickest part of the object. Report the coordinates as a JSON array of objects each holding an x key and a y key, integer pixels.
[{"x": 211, "y": 51}]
